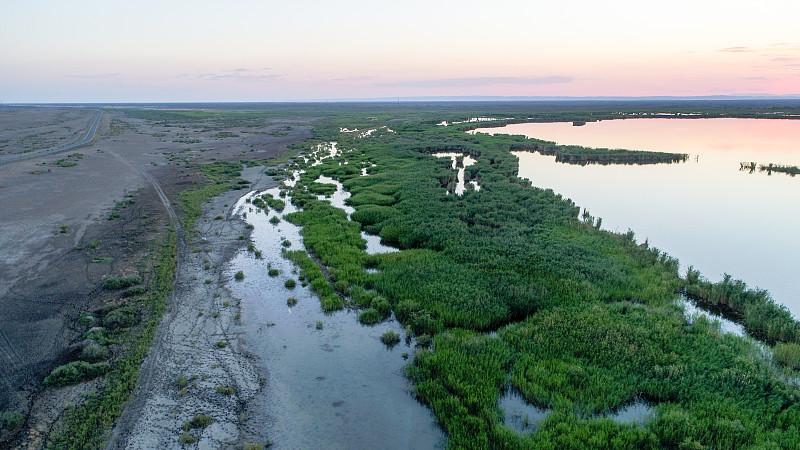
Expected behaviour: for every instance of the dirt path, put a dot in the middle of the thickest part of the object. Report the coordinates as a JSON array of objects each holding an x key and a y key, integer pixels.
[{"x": 198, "y": 341}]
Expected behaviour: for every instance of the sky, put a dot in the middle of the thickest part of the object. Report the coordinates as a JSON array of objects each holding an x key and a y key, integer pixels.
[{"x": 299, "y": 50}]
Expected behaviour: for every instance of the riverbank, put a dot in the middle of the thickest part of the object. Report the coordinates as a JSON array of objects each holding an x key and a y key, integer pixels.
[{"x": 198, "y": 365}]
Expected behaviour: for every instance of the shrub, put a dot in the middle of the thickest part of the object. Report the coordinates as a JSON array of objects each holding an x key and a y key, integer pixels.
[
  {"x": 286, "y": 243},
  {"x": 390, "y": 338},
  {"x": 291, "y": 301},
  {"x": 222, "y": 344},
  {"x": 75, "y": 372},
  {"x": 239, "y": 276},
  {"x": 274, "y": 220},
  {"x": 273, "y": 272},
  {"x": 290, "y": 283},
  {"x": 319, "y": 324},
  {"x": 95, "y": 353},
  {"x": 113, "y": 284},
  {"x": 252, "y": 446},
  {"x": 120, "y": 318}
]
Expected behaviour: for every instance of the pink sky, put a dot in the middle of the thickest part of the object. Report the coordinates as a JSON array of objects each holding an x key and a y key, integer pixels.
[{"x": 275, "y": 51}]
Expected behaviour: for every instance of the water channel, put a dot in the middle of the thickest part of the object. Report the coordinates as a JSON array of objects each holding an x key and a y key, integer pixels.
[{"x": 330, "y": 382}]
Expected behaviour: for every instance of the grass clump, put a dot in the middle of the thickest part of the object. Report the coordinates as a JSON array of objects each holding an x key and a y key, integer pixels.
[
  {"x": 75, "y": 372},
  {"x": 274, "y": 220},
  {"x": 370, "y": 316},
  {"x": 273, "y": 272},
  {"x": 239, "y": 276},
  {"x": 390, "y": 338},
  {"x": 225, "y": 390},
  {"x": 221, "y": 344},
  {"x": 788, "y": 354},
  {"x": 123, "y": 317},
  {"x": 291, "y": 301},
  {"x": 134, "y": 291},
  {"x": 95, "y": 353},
  {"x": 198, "y": 421},
  {"x": 113, "y": 284},
  {"x": 290, "y": 283}
]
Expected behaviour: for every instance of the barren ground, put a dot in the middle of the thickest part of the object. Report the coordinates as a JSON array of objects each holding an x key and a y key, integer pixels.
[{"x": 65, "y": 227}]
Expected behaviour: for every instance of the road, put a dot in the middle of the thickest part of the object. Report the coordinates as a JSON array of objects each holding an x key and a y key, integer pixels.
[{"x": 89, "y": 136}]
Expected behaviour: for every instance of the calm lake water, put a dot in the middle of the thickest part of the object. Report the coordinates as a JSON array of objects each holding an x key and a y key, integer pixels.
[{"x": 705, "y": 212}]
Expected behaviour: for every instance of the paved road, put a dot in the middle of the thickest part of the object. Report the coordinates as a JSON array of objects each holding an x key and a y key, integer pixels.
[{"x": 89, "y": 136}]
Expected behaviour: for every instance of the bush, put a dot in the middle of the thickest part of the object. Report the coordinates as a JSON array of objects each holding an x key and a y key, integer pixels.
[
  {"x": 273, "y": 272},
  {"x": 239, "y": 276},
  {"x": 291, "y": 301},
  {"x": 274, "y": 220},
  {"x": 113, "y": 284},
  {"x": 290, "y": 283},
  {"x": 75, "y": 372},
  {"x": 95, "y": 353},
  {"x": 120, "y": 318}
]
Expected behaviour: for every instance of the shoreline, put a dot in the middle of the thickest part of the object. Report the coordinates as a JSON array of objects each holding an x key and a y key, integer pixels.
[{"x": 198, "y": 351}]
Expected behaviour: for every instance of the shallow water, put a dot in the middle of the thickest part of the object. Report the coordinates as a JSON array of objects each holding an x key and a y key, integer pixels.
[
  {"x": 337, "y": 199},
  {"x": 466, "y": 162},
  {"x": 524, "y": 417},
  {"x": 334, "y": 387},
  {"x": 705, "y": 212},
  {"x": 692, "y": 311}
]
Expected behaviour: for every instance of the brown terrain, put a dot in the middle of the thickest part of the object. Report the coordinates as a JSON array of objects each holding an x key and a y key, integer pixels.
[{"x": 70, "y": 220}]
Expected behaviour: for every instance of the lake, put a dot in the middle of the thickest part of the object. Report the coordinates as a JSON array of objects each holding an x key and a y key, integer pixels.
[{"x": 706, "y": 212}]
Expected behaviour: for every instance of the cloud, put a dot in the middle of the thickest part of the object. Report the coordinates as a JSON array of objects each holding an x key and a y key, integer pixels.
[
  {"x": 738, "y": 50},
  {"x": 479, "y": 81},
  {"x": 96, "y": 76}
]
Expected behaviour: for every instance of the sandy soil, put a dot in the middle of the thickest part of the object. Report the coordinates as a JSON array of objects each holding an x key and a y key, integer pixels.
[
  {"x": 202, "y": 314},
  {"x": 28, "y": 129},
  {"x": 51, "y": 214}
]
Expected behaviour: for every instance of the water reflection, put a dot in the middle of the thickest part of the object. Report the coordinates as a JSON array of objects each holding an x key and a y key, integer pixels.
[
  {"x": 460, "y": 163},
  {"x": 704, "y": 212},
  {"x": 331, "y": 383}
]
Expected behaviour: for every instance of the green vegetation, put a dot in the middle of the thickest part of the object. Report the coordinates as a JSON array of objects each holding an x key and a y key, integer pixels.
[
  {"x": 95, "y": 353},
  {"x": 120, "y": 318},
  {"x": 291, "y": 301},
  {"x": 755, "y": 309},
  {"x": 390, "y": 338},
  {"x": 586, "y": 319},
  {"x": 222, "y": 175},
  {"x": 789, "y": 170},
  {"x": 239, "y": 276},
  {"x": 121, "y": 283},
  {"x": 86, "y": 425},
  {"x": 75, "y": 372},
  {"x": 290, "y": 283},
  {"x": 225, "y": 390},
  {"x": 198, "y": 421},
  {"x": 788, "y": 354}
]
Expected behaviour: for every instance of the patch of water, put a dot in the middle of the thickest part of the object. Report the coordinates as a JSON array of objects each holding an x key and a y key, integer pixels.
[
  {"x": 466, "y": 162},
  {"x": 518, "y": 414},
  {"x": 637, "y": 413},
  {"x": 331, "y": 383},
  {"x": 337, "y": 199},
  {"x": 692, "y": 311},
  {"x": 524, "y": 417}
]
